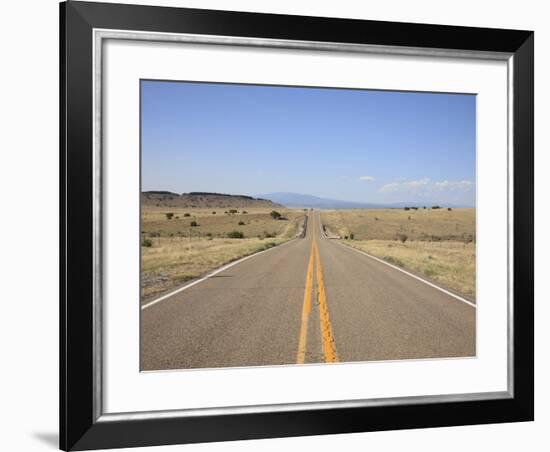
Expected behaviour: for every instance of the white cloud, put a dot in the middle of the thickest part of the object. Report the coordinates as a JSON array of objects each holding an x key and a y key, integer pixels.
[
  {"x": 426, "y": 185},
  {"x": 366, "y": 178},
  {"x": 463, "y": 185}
]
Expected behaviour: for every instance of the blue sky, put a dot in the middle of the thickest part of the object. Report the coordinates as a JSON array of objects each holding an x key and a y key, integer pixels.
[{"x": 353, "y": 145}]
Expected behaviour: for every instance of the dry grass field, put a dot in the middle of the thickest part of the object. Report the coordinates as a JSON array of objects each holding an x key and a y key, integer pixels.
[
  {"x": 439, "y": 244},
  {"x": 387, "y": 224},
  {"x": 195, "y": 222},
  {"x": 184, "y": 247}
]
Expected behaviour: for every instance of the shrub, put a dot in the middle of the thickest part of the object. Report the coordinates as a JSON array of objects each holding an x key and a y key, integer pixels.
[
  {"x": 193, "y": 224},
  {"x": 147, "y": 243},
  {"x": 235, "y": 235},
  {"x": 233, "y": 211},
  {"x": 244, "y": 212},
  {"x": 407, "y": 208},
  {"x": 345, "y": 237},
  {"x": 241, "y": 223},
  {"x": 275, "y": 215},
  {"x": 186, "y": 214},
  {"x": 430, "y": 271},
  {"x": 394, "y": 261},
  {"x": 449, "y": 209},
  {"x": 436, "y": 207},
  {"x": 169, "y": 215},
  {"x": 351, "y": 235},
  {"x": 403, "y": 238},
  {"x": 214, "y": 212}
]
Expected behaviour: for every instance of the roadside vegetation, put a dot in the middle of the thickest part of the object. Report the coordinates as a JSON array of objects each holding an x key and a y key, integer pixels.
[
  {"x": 439, "y": 244},
  {"x": 194, "y": 241}
]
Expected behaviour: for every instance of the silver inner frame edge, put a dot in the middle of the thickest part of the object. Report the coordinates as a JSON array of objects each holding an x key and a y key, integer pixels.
[{"x": 99, "y": 35}]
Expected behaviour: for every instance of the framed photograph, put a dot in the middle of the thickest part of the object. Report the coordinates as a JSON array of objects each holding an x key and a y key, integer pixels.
[{"x": 282, "y": 225}]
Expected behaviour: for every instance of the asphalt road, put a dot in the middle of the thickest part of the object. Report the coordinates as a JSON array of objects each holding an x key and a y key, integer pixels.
[{"x": 311, "y": 300}]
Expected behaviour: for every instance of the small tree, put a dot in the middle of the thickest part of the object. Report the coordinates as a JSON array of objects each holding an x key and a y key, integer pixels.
[
  {"x": 193, "y": 224},
  {"x": 351, "y": 235},
  {"x": 169, "y": 215},
  {"x": 275, "y": 215},
  {"x": 403, "y": 238}
]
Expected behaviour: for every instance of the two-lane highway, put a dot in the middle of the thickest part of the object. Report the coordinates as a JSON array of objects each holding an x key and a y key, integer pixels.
[{"x": 309, "y": 300}]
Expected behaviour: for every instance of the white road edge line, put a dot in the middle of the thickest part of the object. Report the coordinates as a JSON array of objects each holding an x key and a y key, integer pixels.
[
  {"x": 215, "y": 272},
  {"x": 473, "y": 305}
]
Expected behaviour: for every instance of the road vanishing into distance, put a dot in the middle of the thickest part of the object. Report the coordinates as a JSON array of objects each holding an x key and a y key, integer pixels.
[{"x": 310, "y": 300}]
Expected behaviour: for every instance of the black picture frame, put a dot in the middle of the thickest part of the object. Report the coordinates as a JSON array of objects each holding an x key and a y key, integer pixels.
[{"x": 80, "y": 427}]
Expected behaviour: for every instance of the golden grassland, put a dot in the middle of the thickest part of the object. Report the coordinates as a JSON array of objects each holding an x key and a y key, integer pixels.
[
  {"x": 256, "y": 222},
  {"x": 173, "y": 251},
  {"x": 387, "y": 224},
  {"x": 439, "y": 244}
]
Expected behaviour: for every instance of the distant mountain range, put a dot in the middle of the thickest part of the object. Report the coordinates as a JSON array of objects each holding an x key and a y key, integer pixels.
[{"x": 301, "y": 200}]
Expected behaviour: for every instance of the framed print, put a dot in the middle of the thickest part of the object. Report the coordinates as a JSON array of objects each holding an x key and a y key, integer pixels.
[{"x": 283, "y": 225}]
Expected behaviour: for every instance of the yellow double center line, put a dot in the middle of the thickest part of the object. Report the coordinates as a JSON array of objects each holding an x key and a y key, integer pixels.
[
  {"x": 329, "y": 346},
  {"x": 327, "y": 336}
]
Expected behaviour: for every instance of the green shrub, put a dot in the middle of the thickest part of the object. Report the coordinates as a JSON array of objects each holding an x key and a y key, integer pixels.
[
  {"x": 241, "y": 223},
  {"x": 275, "y": 215},
  {"x": 193, "y": 224},
  {"x": 147, "y": 243},
  {"x": 394, "y": 261},
  {"x": 169, "y": 215},
  {"x": 186, "y": 214},
  {"x": 235, "y": 235},
  {"x": 430, "y": 271}
]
